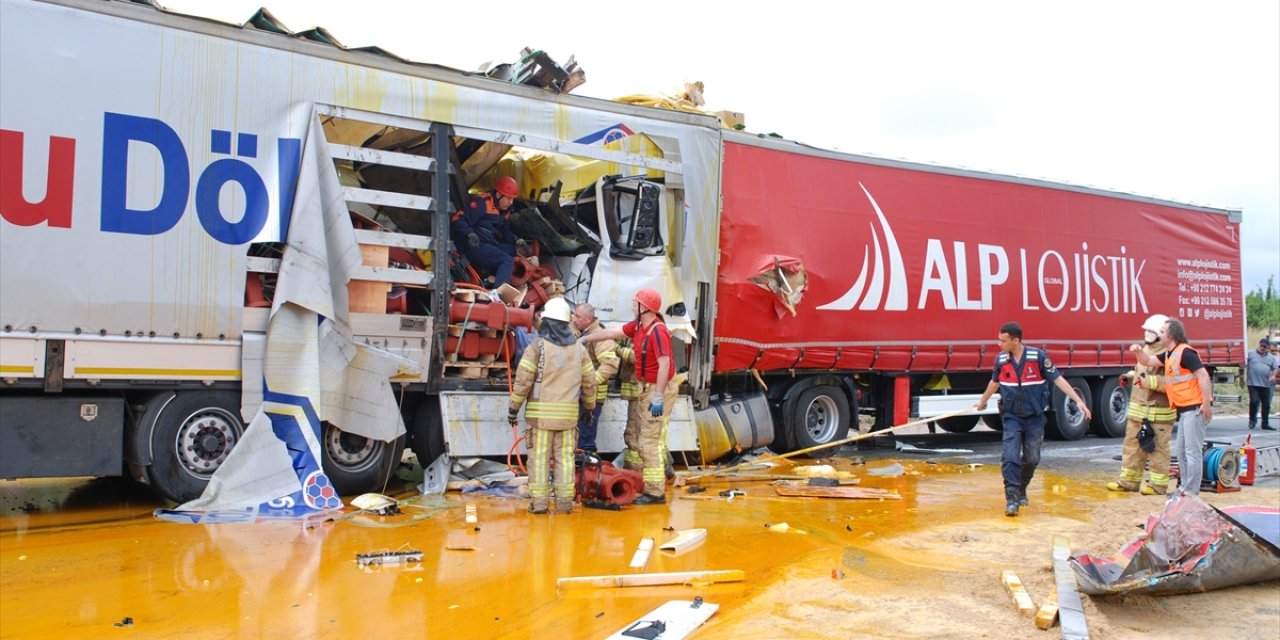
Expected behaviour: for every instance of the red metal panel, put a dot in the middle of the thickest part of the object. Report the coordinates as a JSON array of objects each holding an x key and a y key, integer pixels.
[{"x": 1079, "y": 271}]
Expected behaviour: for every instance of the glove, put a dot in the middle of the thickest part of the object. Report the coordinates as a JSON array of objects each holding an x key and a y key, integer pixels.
[
  {"x": 1147, "y": 437},
  {"x": 473, "y": 239},
  {"x": 655, "y": 407},
  {"x": 513, "y": 415}
]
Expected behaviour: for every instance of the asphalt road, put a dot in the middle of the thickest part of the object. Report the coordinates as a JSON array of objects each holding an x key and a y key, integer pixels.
[{"x": 1087, "y": 454}]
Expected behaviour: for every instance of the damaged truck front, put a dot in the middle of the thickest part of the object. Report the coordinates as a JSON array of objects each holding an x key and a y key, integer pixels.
[{"x": 145, "y": 207}]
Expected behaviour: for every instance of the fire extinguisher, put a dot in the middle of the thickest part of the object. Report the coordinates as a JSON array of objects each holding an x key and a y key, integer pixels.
[{"x": 1250, "y": 455}]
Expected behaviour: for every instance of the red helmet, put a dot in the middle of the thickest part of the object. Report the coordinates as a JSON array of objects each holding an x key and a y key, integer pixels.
[
  {"x": 507, "y": 186},
  {"x": 650, "y": 299}
]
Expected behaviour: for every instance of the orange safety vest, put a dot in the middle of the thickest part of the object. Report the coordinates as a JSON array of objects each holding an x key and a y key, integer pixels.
[{"x": 1179, "y": 384}]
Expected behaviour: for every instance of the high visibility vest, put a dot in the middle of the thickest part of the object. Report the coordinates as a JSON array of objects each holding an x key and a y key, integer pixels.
[{"x": 1179, "y": 384}]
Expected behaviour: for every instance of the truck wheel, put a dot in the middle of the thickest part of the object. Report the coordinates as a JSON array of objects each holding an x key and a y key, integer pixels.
[
  {"x": 1110, "y": 409},
  {"x": 426, "y": 431},
  {"x": 190, "y": 438},
  {"x": 819, "y": 415},
  {"x": 994, "y": 421},
  {"x": 357, "y": 464},
  {"x": 1067, "y": 421},
  {"x": 958, "y": 424}
]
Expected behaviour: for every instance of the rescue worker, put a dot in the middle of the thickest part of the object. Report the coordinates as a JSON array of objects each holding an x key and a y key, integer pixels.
[
  {"x": 604, "y": 358},
  {"x": 646, "y": 431},
  {"x": 1190, "y": 392},
  {"x": 482, "y": 230},
  {"x": 1150, "y": 424},
  {"x": 1021, "y": 374},
  {"x": 556, "y": 376}
]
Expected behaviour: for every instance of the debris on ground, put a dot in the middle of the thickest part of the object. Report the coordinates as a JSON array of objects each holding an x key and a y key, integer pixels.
[
  {"x": 652, "y": 579},
  {"x": 1047, "y": 616},
  {"x": 383, "y": 558},
  {"x": 672, "y": 621},
  {"x": 641, "y": 558},
  {"x": 1070, "y": 609},
  {"x": 790, "y": 489},
  {"x": 891, "y": 471},
  {"x": 685, "y": 540},
  {"x": 783, "y": 527},
  {"x": 1190, "y": 547},
  {"x": 903, "y": 447},
  {"x": 1021, "y": 598}
]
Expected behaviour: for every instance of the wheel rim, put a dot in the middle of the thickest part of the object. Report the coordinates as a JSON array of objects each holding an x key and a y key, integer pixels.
[
  {"x": 820, "y": 419},
  {"x": 1075, "y": 417},
  {"x": 1118, "y": 405},
  {"x": 205, "y": 439},
  {"x": 350, "y": 451}
]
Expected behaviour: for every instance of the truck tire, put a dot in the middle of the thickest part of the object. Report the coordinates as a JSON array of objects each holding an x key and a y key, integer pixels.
[
  {"x": 426, "y": 431},
  {"x": 957, "y": 424},
  {"x": 994, "y": 421},
  {"x": 1110, "y": 409},
  {"x": 356, "y": 464},
  {"x": 190, "y": 438},
  {"x": 1067, "y": 420},
  {"x": 818, "y": 415}
]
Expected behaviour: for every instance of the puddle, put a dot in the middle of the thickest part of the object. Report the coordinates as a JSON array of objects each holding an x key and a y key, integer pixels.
[{"x": 86, "y": 554}]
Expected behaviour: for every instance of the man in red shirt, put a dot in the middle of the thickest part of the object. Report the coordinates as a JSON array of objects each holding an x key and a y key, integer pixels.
[{"x": 647, "y": 418}]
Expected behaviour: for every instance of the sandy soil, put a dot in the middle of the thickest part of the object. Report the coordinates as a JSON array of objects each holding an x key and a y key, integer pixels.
[{"x": 959, "y": 594}]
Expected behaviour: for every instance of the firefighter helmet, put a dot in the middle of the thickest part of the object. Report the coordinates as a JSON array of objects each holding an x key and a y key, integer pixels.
[
  {"x": 1154, "y": 323},
  {"x": 507, "y": 186},
  {"x": 650, "y": 299},
  {"x": 557, "y": 309}
]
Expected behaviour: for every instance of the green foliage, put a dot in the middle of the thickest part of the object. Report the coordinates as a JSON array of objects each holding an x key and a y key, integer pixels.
[{"x": 1262, "y": 307}]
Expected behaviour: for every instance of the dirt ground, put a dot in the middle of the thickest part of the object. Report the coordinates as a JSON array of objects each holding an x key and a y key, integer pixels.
[{"x": 957, "y": 591}]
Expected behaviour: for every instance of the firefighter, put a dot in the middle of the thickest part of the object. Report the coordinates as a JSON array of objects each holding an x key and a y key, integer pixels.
[
  {"x": 604, "y": 358},
  {"x": 1150, "y": 425},
  {"x": 1186, "y": 382},
  {"x": 647, "y": 417},
  {"x": 482, "y": 230},
  {"x": 556, "y": 376}
]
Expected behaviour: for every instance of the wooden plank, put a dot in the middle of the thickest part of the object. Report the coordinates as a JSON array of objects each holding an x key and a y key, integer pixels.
[
  {"x": 1047, "y": 616},
  {"x": 796, "y": 490},
  {"x": 472, "y": 516},
  {"x": 651, "y": 579},
  {"x": 388, "y": 198},
  {"x": 1070, "y": 609},
  {"x": 1021, "y": 598},
  {"x": 381, "y": 156},
  {"x": 641, "y": 558},
  {"x": 764, "y": 477}
]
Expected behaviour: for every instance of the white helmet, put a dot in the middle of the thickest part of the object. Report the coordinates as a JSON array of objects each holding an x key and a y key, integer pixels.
[
  {"x": 557, "y": 309},
  {"x": 1154, "y": 323}
]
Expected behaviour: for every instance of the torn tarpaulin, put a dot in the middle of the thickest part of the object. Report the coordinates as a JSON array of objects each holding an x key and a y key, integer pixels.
[
  {"x": 1191, "y": 547},
  {"x": 785, "y": 278}
]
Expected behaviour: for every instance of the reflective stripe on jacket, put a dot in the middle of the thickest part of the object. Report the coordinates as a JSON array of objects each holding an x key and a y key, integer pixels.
[
  {"x": 1147, "y": 399},
  {"x": 1180, "y": 384},
  {"x": 555, "y": 380}
]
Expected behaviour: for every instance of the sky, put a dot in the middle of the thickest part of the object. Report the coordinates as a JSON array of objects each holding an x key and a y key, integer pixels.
[{"x": 1173, "y": 99}]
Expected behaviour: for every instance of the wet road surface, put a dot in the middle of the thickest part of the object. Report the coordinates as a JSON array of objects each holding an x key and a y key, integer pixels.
[{"x": 80, "y": 557}]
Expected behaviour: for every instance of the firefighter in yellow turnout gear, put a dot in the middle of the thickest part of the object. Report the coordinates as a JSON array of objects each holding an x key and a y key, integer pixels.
[
  {"x": 1149, "y": 406},
  {"x": 556, "y": 377},
  {"x": 604, "y": 357}
]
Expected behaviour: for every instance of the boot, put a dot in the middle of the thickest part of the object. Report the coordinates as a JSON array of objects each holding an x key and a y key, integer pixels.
[
  {"x": 564, "y": 505},
  {"x": 648, "y": 498},
  {"x": 538, "y": 505},
  {"x": 1022, "y": 497},
  {"x": 1011, "y": 498},
  {"x": 1121, "y": 486},
  {"x": 1152, "y": 490}
]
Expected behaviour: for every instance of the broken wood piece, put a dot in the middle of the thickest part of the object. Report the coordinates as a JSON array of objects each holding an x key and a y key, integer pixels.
[
  {"x": 684, "y": 540},
  {"x": 791, "y": 489},
  {"x": 472, "y": 516},
  {"x": 1020, "y": 596},
  {"x": 1070, "y": 609},
  {"x": 1047, "y": 616},
  {"x": 459, "y": 547},
  {"x": 641, "y": 558},
  {"x": 767, "y": 477},
  {"x": 783, "y": 527},
  {"x": 651, "y": 579}
]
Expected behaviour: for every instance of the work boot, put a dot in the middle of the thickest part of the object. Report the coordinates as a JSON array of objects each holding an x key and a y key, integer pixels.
[
  {"x": 1011, "y": 497},
  {"x": 1121, "y": 486},
  {"x": 538, "y": 505},
  {"x": 1152, "y": 490},
  {"x": 649, "y": 498},
  {"x": 1267, "y": 427},
  {"x": 564, "y": 505}
]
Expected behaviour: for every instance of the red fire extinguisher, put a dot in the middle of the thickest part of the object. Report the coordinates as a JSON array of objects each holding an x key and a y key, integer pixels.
[{"x": 1250, "y": 455}]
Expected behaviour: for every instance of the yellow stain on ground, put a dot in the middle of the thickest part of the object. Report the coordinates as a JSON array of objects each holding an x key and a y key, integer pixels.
[{"x": 78, "y": 557}]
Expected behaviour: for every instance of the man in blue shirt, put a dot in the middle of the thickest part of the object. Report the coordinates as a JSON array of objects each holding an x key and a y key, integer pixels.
[
  {"x": 1260, "y": 374},
  {"x": 1021, "y": 375}
]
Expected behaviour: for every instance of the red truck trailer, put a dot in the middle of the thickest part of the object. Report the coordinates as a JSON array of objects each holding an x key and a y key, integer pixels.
[{"x": 850, "y": 284}]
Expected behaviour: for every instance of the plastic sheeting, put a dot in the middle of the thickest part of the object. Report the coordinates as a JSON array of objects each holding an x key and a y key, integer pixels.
[{"x": 1190, "y": 547}]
